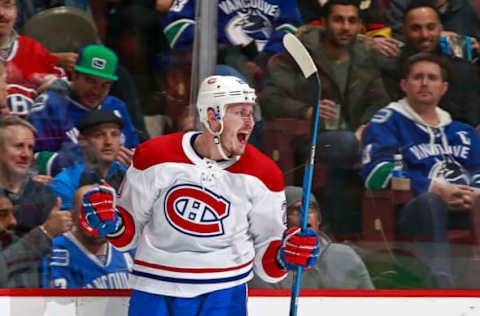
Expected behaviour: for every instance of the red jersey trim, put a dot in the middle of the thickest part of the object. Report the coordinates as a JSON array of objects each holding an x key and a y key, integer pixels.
[
  {"x": 256, "y": 164},
  {"x": 166, "y": 148},
  {"x": 129, "y": 232},
  {"x": 269, "y": 261},
  {"x": 191, "y": 270}
]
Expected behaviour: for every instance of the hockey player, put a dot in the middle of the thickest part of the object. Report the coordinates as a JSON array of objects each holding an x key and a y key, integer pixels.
[
  {"x": 441, "y": 157},
  {"x": 55, "y": 113},
  {"x": 80, "y": 260},
  {"x": 203, "y": 210}
]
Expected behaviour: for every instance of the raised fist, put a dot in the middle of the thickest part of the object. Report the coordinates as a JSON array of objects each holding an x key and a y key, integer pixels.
[
  {"x": 299, "y": 249},
  {"x": 98, "y": 215}
]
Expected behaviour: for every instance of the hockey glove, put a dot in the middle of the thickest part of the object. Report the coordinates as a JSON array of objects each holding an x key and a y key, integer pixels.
[
  {"x": 98, "y": 215},
  {"x": 299, "y": 249}
]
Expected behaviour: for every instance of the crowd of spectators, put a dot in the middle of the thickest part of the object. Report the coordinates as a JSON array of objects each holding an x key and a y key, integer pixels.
[{"x": 70, "y": 120}]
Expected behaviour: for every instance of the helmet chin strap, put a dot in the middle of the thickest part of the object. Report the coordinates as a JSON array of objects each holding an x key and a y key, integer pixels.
[
  {"x": 219, "y": 147},
  {"x": 216, "y": 139}
]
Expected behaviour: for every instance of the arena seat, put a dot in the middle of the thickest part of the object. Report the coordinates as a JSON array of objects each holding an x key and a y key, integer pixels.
[
  {"x": 378, "y": 217},
  {"x": 62, "y": 29}
]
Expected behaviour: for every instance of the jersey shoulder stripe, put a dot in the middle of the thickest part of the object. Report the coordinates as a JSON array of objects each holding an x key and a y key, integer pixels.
[
  {"x": 166, "y": 148},
  {"x": 257, "y": 164}
]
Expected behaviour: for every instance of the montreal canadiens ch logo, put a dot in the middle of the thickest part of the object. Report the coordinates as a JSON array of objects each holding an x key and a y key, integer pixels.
[{"x": 196, "y": 212}]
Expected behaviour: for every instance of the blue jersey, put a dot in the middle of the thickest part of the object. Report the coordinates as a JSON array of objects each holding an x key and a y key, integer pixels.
[
  {"x": 71, "y": 265},
  {"x": 55, "y": 115},
  {"x": 69, "y": 180},
  {"x": 239, "y": 22},
  {"x": 446, "y": 153}
]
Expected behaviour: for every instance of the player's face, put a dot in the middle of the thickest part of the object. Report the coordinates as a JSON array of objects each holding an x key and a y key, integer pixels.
[
  {"x": 342, "y": 24},
  {"x": 293, "y": 217},
  {"x": 17, "y": 150},
  {"x": 8, "y": 15},
  {"x": 103, "y": 142},
  {"x": 422, "y": 29},
  {"x": 424, "y": 84},
  {"x": 90, "y": 90},
  {"x": 7, "y": 217},
  {"x": 238, "y": 125}
]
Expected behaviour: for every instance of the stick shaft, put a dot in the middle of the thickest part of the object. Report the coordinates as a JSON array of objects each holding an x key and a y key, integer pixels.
[{"x": 307, "y": 187}]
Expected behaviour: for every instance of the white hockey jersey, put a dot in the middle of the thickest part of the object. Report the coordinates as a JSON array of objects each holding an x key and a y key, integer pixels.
[{"x": 200, "y": 225}]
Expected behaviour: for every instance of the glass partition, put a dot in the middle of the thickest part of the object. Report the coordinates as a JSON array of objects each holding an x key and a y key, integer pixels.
[{"x": 394, "y": 183}]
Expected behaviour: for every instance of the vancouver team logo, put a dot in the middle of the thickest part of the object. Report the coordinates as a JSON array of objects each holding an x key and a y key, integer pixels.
[
  {"x": 249, "y": 24},
  {"x": 448, "y": 171},
  {"x": 195, "y": 211}
]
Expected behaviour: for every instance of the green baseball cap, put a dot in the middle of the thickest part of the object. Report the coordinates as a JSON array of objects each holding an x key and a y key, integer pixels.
[{"x": 97, "y": 60}]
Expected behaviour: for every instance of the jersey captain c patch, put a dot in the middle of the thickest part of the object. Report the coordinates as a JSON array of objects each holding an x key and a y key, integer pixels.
[{"x": 195, "y": 211}]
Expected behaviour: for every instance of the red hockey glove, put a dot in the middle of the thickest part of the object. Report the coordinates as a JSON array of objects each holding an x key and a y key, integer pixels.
[
  {"x": 298, "y": 249},
  {"x": 98, "y": 215}
]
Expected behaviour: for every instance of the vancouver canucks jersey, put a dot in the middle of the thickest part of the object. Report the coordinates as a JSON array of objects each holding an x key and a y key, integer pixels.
[
  {"x": 71, "y": 265},
  {"x": 55, "y": 115},
  {"x": 446, "y": 153},
  {"x": 239, "y": 22}
]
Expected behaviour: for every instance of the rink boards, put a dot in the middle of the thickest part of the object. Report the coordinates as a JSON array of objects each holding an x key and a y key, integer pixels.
[{"x": 50, "y": 302}]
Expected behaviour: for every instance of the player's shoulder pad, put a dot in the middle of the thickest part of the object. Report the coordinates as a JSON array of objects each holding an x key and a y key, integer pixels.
[
  {"x": 257, "y": 164},
  {"x": 59, "y": 257},
  {"x": 161, "y": 149},
  {"x": 382, "y": 116}
]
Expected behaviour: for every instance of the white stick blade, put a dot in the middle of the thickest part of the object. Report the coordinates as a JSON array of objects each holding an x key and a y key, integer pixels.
[{"x": 302, "y": 57}]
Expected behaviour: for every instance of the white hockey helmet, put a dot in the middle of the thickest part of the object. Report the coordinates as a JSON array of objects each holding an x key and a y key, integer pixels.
[{"x": 216, "y": 92}]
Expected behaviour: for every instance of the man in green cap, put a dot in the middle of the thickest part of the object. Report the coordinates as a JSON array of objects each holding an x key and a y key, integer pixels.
[{"x": 55, "y": 113}]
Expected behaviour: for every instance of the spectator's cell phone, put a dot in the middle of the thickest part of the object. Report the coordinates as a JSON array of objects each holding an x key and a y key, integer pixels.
[{"x": 459, "y": 47}]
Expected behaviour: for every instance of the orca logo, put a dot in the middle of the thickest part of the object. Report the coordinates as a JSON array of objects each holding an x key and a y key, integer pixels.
[
  {"x": 249, "y": 24},
  {"x": 196, "y": 212},
  {"x": 448, "y": 171},
  {"x": 98, "y": 63}
]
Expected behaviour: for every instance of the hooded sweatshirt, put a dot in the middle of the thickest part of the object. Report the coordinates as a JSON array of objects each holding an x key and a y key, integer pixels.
[{"x": 448, "y": 152}]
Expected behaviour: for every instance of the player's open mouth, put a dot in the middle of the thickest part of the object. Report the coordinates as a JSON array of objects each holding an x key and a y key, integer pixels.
[{"x": 242, "y": 137}]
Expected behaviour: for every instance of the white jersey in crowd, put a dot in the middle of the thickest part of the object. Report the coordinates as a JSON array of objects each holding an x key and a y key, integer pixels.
[{"x": 200, "y": 225}]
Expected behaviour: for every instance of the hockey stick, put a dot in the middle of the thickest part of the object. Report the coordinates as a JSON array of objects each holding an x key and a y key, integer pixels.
[{"x": 301, "y": 56}]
